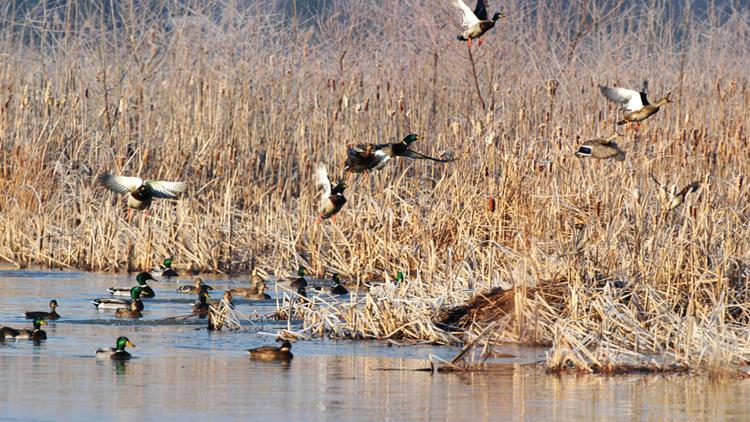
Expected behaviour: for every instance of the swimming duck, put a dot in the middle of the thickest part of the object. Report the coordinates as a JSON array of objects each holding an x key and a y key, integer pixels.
[
  {"x": 141, "y": 278},
  {"x": 300, "y": 280},
  {"x": 255, "y": 280},
  {"x": 602, "y": 149},
  {"x": 117, "y": 353},
  {"x": 261, "y": 295},
  {"x": 141, "y": 192},
  {"x": 51, "y": 315},
  {"x": 475, "y": 23},
  {"x": 337, "y": 288},
  {"x": 131, "y": 312},
  {"x": 282, "y": 353},
  {"x": 109, "y": 303},
  {"x": 195, "y": 288},
  {"x": 366, "y": 157},
  {"x": 36, "y": 334},
  {"x": 636, "y": 102},
  {"x": 332, "y": 198},
  {"x": 200, "y": 307},
  {"x": 301, "y": 292},
  {"x": 168, "y": 272},
  {"x": 226, "y": 298}
]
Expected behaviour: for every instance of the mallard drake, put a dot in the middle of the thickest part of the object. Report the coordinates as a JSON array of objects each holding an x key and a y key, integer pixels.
[
  {"x": 300, "y": 280},
  {"x": 36, "y": 334},
  {"x": 117, "y": 353},
  {"x": 141, "y": 192},
  {"x": 168, "y": 272},
  {"x": 131, "y": 312},
  {"x": 636, "y": 102},
  {"x": 272, "y": 353},
  {"x": 196, "y": 288},
  {"x": 332, "y": 198},
  {"x": 475, "y": 23},
  {"x": 337, "y": 288},
  {"x": 109, "y": 303},
  {"x": 365, "y": 157},
  {"x": 50, "y": 316},
  {"x": 261, "y": 295},
  {"x": 141, "y": 278},
  {"x": 602, "y": 149},
  {"x": 301, "y": 291},
  {"x": 255, "y": 280},
  {"x": 671, "y": 198}
]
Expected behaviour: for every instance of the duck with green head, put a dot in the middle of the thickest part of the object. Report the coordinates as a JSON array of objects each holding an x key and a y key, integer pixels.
[
  {"x": 337, "y": 288},
  {"x": 142, "y": 280},
  {"x": 168, "y": 272},
  {"x": 36, "y": 334},
  {"x": 476, "y": 23},
  {"x": 365, "y": 157},
  {"x": 300, "y": 280},
  {"x": 116, "y": 353},
  {"x": 49, "y": 316},
  {"x": 197, "y": 287},
  {"x": 283, "y": 353},
  {"x": 110, "y": 303},
  {"x": 141, "y": 192}
]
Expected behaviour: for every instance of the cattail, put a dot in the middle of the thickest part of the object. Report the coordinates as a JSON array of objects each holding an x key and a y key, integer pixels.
[{"x": 491, "y": 204}]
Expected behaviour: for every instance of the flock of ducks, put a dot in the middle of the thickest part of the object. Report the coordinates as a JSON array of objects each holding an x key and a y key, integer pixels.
[
  {"x": 359, "y": 159},
  {"x": 132, "y": 307}
]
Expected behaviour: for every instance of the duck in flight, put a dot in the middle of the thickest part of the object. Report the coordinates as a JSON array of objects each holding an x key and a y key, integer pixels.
[
  {"x": 365, "y": 157},
  {"x": 475, "y": 23},
  {"x": 332, "y": 198},
  {"x": 635, "y": 102},
  {"x": 141, "y": 192},
  {"x": 602, "y": 149}
]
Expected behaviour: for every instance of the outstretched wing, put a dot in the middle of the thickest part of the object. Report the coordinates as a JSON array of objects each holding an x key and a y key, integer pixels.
[
  {"x": 470, "y": 19},
  {"x": 627, "y": 98},
  {"x": 120, "y": 184},
  {"x": 361, "y": 157},
  {"x": 164, "y": 189},
  {"x": 419, "y": 156},
  {"x": 480, "y": 11},
  {"x": 323, "y": 180}
]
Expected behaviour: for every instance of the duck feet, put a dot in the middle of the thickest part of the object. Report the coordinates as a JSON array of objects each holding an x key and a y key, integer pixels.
[
  {"x": 479, "y": 42},
  {"x": 320, "y": 219},
  {"x": 130, "y": 215},
  {"x": 468, "y": 42}
]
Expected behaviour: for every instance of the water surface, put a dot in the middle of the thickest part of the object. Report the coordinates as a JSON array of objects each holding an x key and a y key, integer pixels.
[{"x": 180, "y": 371}]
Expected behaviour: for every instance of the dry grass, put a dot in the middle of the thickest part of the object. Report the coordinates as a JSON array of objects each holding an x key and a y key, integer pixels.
[{"x": 241, "y": 102}]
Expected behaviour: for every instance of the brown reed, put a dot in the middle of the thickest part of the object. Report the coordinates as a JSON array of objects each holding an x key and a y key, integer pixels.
[{"x": 242, "y": 101}]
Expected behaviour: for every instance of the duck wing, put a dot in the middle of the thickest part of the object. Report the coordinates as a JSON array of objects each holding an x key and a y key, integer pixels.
[
  {"x": 120, "y": 184},
  {"x": 469, "y": 18},
  {"x": 627, "y": 98},
  {"x": 164, "y": 189},
  {"x": 480, "y": 11},
  {"x": 419, "y": 156},
  {"x": 322, "y": 179},
  {"x": 362, "y": 157}
]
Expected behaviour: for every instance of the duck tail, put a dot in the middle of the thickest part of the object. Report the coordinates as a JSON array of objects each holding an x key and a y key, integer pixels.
[
  {"x": 112, "y": 290},
  {"x": 621, "y": 122},
  {"x": 461, "y": 38},
  {"x": 620, "y": 156}
]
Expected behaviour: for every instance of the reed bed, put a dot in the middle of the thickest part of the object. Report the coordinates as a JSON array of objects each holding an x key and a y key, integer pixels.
[{"x": 241, "y": 100}]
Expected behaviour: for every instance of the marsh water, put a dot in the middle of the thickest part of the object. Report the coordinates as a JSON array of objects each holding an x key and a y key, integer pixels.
[{"x": 180, "y": 371}]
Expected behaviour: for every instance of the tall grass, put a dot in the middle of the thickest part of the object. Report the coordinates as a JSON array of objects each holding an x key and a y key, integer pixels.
[{"x": 241, "y": 99}]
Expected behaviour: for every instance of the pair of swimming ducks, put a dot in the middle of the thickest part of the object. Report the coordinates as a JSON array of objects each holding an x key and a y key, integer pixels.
[{"x": 267, "y": 353}]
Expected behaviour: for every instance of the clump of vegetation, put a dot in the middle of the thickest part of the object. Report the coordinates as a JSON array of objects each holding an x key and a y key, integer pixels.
[{"x": 241, "y": 103}]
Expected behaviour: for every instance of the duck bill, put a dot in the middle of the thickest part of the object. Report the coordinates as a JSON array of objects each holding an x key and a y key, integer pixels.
[
  {"x": 42, "y": 322},
  {"x": 130, "y": 344}
]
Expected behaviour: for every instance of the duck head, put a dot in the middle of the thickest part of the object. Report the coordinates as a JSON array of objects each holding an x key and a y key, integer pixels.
[
  {"x": 167, "y": 263},
  {"x": 497, "y": 16},
  {"x": 38, "y": 322},
  {"x": 53, "y": 304},
  {"x": 122, "y": 342},
  {"x": 339, "y": 189},
  {"x": 143, "y": 277},
  {"x": 135, "y": 292},
  {"x": 335, "y": 278},
  {"x": 408, "y": 139},
  {"x": 286, "y": 346},
  {"x": 301, "y": 271}
]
